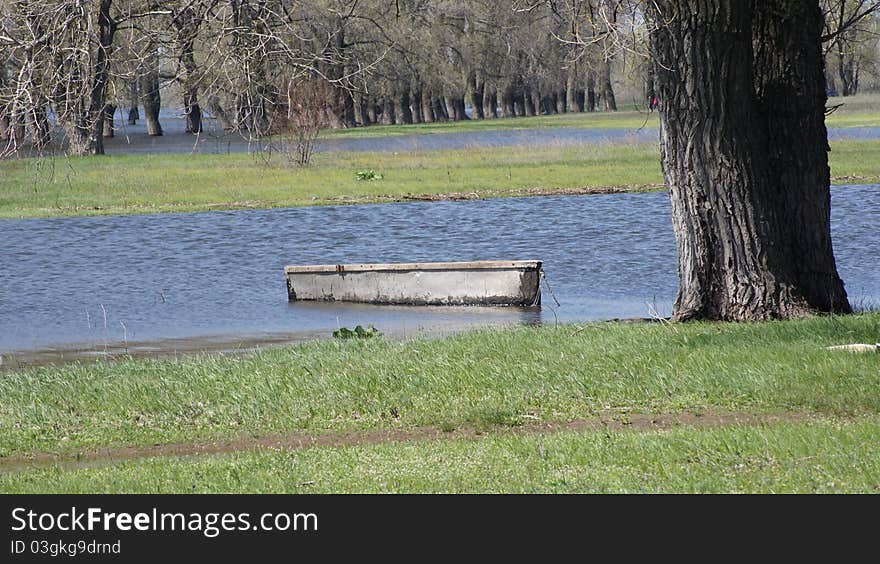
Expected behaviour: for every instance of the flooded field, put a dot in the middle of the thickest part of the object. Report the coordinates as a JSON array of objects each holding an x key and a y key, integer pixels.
[{"x": 215, "y": 280}]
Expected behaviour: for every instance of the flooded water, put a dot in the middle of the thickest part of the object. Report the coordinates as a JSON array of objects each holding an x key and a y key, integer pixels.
[
  {"x": 219, "y": 276},
  {"x": 134, "y": 139}
]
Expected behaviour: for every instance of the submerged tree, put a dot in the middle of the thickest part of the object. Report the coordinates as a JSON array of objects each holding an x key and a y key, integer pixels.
[
  {"x": 847, "y": 31},
  {"x": 744, "y": 151}
]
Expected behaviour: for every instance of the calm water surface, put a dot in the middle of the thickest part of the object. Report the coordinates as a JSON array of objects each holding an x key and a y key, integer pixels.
[{"x": 87, "y": 281}]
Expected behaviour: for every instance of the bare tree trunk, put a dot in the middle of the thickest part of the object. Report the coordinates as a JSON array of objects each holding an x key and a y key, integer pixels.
[
  {"x": 109, "y": 126},
  {"x": 847, "y": 70},
  {"x": 16, "y": 130},
  {"x": 458, "y": 108},
  {"x": 187, "y": 26},
  {"x": 490, "y": 103},
  {"x": 573, "y": 97},
  {"x": 221, "y": 115},
  {"x": 402, "y": 111},
  {"x": 416, "y": 104},
  {"x": 427, "y": 106},
  {"x": 508, "y": 102},
  {"x": 440, "y": 113},
  {"x": 528, "y": 103},
  {"x": 191, "y": 106},
  {"x": 607, "y": 90},
  {"x": 133, "y": 114},
  {"x": 536, "y": 102},
  {"x": 4, "y": 125},
  {"x": 98, "y": 95},
  {"x": 591, "y": 101},
  {"x": 374, "y": 113},
  {"x": 744, "y": 151},
  {"x": 388, "y": 115},
  {"x": 477, "y": 89},
  {"x": 5, "y": 108},
  {"x": 150, "y": 97}
]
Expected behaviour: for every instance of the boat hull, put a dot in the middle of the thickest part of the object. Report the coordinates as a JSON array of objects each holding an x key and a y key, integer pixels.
[{"x": 485, "y": 283}]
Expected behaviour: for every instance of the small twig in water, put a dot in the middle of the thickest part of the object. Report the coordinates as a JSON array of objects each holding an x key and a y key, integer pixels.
[{"x": 549, "y": 289}]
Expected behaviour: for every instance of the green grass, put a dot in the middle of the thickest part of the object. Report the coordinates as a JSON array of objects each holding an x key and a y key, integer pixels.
[
  {"x": 166, "y": 183},
  {"x": 816, "y": 457},
  {"x": 482, "y": 379},
  {"x": 627, "y": 119},
  {"x": 858, "y": 111}
]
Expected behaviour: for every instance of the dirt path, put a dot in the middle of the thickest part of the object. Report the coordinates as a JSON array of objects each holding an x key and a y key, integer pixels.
[{"x": 297, "y": 441}]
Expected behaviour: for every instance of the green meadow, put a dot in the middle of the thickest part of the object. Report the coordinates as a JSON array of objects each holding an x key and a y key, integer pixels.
[{"x": 492, "y": 386}]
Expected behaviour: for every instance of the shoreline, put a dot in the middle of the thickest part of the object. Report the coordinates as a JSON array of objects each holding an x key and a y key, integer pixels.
[{"x": 354, "y": 200}]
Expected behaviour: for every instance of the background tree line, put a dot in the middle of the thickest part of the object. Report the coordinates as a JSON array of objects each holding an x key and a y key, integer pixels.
[{"x": 263, "y": 66}]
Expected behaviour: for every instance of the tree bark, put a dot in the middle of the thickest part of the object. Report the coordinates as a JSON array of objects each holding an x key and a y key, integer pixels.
[
  {"x": 440, "y": 112},
  {"x": 744, "y": 151},
  {"x": 529, "y": 108},
  {"x": 4, "y": 125},
  {"x": 150, "y": 97},
  {"x": 561, "y": 102},
  {"x": 191, "y": 106},
  {"x": 100, "y": 79},
  {"x": 477, "y": 90},
  {"x": 416, "y": 103},
  {"x": 133, "y": 114},
  {"x": 508, "y": 103},
  {"x": 591, "y": 104},
  {"x": 187, "y": 26},
  {"x": 388, "y": 115},
  {"x": 490, "y": 103},
  {"x": 573, "y": 96},
  {"x": 458, "y": 108},
  {"x": 607, "y": 90},
  {"x": 427, "y": 106},
  {"x": 402, "y": 110},
  {"x": 847, "y": 70},
  {"x": 109, "y": 125}
]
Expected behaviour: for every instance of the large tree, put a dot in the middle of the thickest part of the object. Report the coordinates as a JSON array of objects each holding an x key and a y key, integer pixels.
[{"x": 744, "y": 150}]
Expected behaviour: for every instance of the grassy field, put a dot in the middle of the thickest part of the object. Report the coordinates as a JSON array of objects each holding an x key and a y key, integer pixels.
[
  {"x": 820, "y": 456},
  {"x": 858, "y": 111},
  {"x": 166, "y": 183},
  {"x": 488, "y": 381}
]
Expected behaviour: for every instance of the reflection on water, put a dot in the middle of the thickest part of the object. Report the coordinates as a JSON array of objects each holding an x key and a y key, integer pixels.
[{"x": 136, "y": 279}]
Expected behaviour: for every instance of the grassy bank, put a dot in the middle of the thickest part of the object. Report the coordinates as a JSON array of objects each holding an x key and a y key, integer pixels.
[
  {"x": 489, "y": 411},
  {"x": 821, "y": 456},
  {"x": 483, "y": 379},
  {"x": 166, "y": 183}
]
